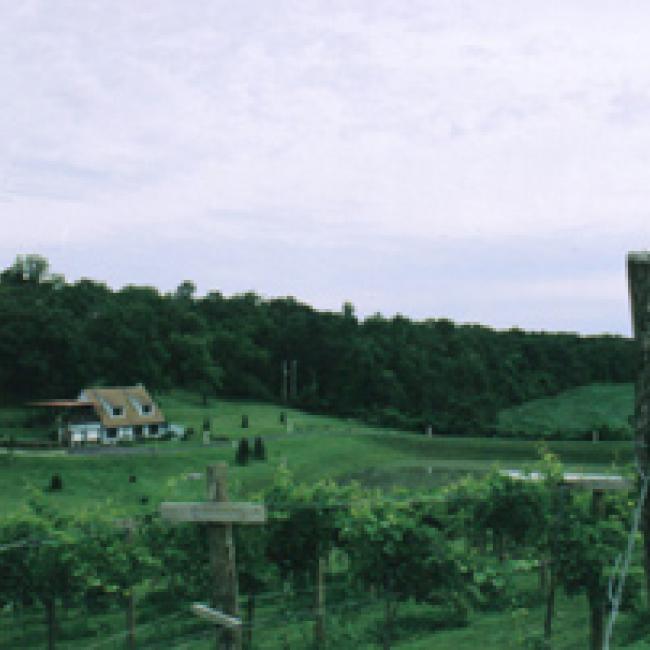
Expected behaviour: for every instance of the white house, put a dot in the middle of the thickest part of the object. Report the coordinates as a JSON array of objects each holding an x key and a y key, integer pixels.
[{"x": 110, "y": 415}]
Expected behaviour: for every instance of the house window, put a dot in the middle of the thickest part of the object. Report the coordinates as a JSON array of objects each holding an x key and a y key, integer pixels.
[
  {"x": 153, "y": 429},
  {"x": 118, "y": 411},
  {"x": 111, "y": 433},
  {"x": 146, "y": 409}
]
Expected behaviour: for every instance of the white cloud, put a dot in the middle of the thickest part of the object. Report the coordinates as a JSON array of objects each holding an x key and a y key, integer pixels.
[{"x": 324, "y": 123}]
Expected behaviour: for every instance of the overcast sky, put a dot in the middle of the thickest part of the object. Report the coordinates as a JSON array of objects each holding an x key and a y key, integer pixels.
[{"x": 486, "y": 161}]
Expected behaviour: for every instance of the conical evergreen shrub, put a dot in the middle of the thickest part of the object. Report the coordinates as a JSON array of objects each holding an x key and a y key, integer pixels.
[
  {"x": 243, "y": 452},
  {"x": 259, "y": 451}
]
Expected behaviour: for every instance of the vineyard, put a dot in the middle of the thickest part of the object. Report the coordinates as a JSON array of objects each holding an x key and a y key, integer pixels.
[{"x": 334, "y": 565}]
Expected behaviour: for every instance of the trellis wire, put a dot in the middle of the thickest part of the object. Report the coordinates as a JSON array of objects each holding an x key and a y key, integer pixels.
[{"x": 622, "y": 564}]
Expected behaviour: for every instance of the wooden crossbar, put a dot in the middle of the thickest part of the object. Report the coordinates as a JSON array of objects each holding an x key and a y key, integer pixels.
[
  {"x": 215, "y": 512},
  {"x": 216, "y": 617},
  {"x": 576, "y": 480}
]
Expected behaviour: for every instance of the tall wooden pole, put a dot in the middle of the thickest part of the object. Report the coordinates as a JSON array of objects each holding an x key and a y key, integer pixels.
[
  {"x": 638, "y": 273},
  {"x": 294, "y": 379},
  {"x": 285, "y": 381},
  {"x": 222, "y": 560}
]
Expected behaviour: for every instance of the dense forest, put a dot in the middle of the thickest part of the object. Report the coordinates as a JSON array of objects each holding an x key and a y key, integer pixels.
[{"x": 56, "y": 337}]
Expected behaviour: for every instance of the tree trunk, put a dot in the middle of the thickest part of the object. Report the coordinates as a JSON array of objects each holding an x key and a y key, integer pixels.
[
  {"x": 500, "y": 546},
  {"x": 50, "y": 614},
  {"x": 250, "y": 615},
  {"x": 550, "y": 608},
  {"x": 596, "y": 614},
  {"x": 130, "y": 621},
  {"x": 319, "y": 606},
  {"x": 646, "y": 551},
  {"x": 543, "y": 575},
  {"x": 596, "y": 595},
  {"x": 389, "y": 619}
]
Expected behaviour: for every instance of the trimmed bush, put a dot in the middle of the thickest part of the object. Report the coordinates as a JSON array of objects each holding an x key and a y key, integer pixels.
[
  {"x": 243, "y": 452},
  {"x": 259, "y": 451}
]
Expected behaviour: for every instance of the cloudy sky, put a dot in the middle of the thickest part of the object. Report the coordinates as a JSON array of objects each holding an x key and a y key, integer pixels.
[{"x": 487, "y": 161}]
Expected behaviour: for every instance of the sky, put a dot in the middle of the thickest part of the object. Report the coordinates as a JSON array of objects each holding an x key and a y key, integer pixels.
[{"x": 482, "y": 161}]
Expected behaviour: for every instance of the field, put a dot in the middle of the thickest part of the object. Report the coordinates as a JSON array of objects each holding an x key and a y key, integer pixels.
[
  {"x": 573, "y": 413},
  {"x": 313, "y": 447}
]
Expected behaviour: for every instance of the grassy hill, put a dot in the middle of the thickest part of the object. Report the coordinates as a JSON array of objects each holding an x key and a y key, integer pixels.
[{"x": 573, "y": 414}]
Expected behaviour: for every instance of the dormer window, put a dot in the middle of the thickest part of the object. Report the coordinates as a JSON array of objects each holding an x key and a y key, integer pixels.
[
  {"x": 118, "y": 411},
  {"x": 146, "y": 409}
]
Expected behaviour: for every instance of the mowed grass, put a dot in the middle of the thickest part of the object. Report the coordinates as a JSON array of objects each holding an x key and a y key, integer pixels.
[
  {"x": 578, "y": 410},
  {"x": 312, "y": 447}
]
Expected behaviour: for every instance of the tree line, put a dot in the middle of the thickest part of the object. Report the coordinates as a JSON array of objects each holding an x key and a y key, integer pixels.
[{"x": 56, "y": 337}]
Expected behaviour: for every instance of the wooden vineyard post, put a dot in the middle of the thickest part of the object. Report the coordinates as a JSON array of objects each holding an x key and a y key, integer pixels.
[
  {"x": 220, "y": 514},
  {"x": 638, "y": 274},
  {"x": 222, "y": 557}
]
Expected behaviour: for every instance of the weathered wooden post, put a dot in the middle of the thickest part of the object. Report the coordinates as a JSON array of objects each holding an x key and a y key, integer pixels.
[
  {"x": 222, "y": 553},
  {"x": 220, "y": 514},
  {"x": 638, "y": 274}
]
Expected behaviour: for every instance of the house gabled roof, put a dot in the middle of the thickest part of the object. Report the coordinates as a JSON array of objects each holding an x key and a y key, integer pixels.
[{"x": 131, "y": 404}]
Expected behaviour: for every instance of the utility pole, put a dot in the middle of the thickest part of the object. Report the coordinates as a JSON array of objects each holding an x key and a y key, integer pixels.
[
  {"x": 294, "y": 379},
  {"x": 284, "y": 381}
]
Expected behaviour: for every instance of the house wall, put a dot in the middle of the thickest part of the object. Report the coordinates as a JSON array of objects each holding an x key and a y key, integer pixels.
[
  {"x": 77, "y": 434},
  {"x": 121, "y": 433}
]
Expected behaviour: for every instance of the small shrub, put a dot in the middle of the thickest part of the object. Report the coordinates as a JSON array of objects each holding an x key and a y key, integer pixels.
[
  {"x": 189, "y": 433},
  {"x": 133, "y": 478},
  {"x": 243, "y": 452},
  {"x": 283, "y": 417},
  {"x": 56, "y": 483},
  {"x": 259, "y": 451},
  {"x": 244, "y": 421},
  {"x": 206, "y": 424},
  {"x": 144, "y": 500}
]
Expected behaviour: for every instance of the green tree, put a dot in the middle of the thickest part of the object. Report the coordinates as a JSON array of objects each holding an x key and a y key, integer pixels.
[
  {"x": 403, "y": 557},
  {"x": 41, "y": 562}
]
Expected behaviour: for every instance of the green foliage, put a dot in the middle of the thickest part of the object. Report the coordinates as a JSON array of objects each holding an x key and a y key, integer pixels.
[
  {"x": 43, "y": 565},
  {"x": 304, "y": 524},
  {"x": 404, "y": 555}
]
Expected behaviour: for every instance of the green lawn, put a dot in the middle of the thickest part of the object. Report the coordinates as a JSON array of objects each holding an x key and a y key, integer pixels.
[
  {"x": 572, "y": 412},
  {"x": 313, "y": 447}
]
